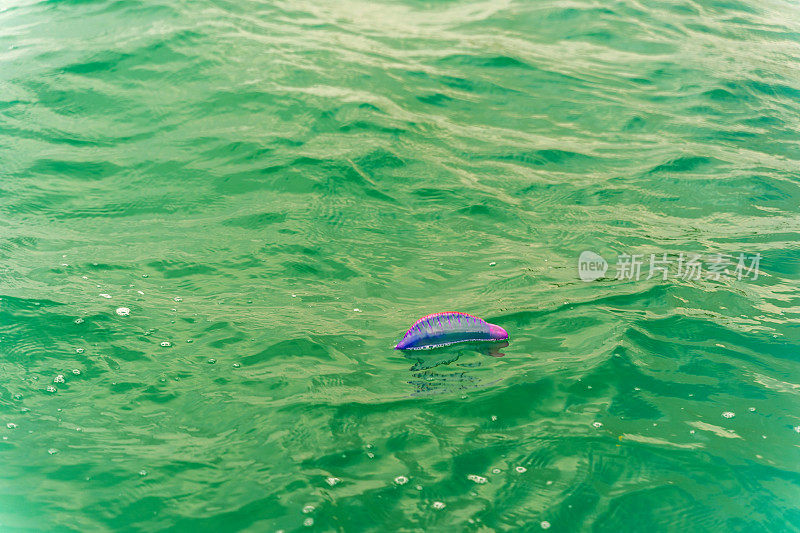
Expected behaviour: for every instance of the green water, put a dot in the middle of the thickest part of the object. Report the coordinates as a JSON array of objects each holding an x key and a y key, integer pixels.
[{"x": 277, "y": 190}]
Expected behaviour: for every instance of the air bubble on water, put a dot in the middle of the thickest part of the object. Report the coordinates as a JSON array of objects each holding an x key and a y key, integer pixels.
[
  {"x": 751, "y": 409},
  {"x": 79, "y": 321},
  {"x": 76, "y": 371},
  {"x": 332, "y": 481},
  {"x": 637, "y": 389},
  {"x": 496, "y": 471},
  {"x": 50, "y": 388},
  {"x": 178, "y": 299},
  {"x": 545, "y": 524},
  {"x": 418, "y": 487},
  {"x": 79, "y": 350},
  {"x": 308, "y": 522},
  {"x": 52, "y": 451},
  {"x": 728, "y": 414},
  {"x": 597, "y": 424},
  {"x": 211, "y": 361},
  {"x": 104, "y": 295},
  {"x": 11, "y": 425},
  {"x": 549, "y": 482},
  {"x": 59, "y": 379},
  {"x": 691, "y": 432},
  {"x": 401, "y": 480},
  {"x": 477, "y": 479},
  {"x": 123, "y": 311},
  {"x": 166, "y": 344},
  {"x": 308, "y": 509},
  {"x": 438, "y": 505},
  {"x": 521, "y": 469},
  {"x": 142, "y": 473}
]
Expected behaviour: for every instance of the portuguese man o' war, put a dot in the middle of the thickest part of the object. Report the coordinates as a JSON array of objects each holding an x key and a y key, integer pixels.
[{"x": 443, "y": 329}]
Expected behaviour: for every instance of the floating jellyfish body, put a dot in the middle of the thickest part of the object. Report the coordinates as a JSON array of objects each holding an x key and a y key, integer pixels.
[{"x": 442, "y": 329}]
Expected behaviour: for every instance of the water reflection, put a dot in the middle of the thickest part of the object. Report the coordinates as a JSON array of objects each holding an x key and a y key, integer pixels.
[{"x": 453, "y": 376}]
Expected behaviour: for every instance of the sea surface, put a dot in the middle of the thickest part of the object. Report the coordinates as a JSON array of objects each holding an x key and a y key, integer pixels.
[{"x": 218, "y": 217}]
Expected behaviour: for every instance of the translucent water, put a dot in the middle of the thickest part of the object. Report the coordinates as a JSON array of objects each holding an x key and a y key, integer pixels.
[{"x": 282, "y": 188}]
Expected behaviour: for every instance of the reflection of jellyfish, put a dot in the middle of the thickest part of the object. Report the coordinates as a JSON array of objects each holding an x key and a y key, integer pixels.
[{"x": 428, "y": 381}]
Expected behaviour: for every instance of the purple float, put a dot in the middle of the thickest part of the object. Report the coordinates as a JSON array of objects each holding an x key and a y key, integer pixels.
[{"x": 443, "y": 329}]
